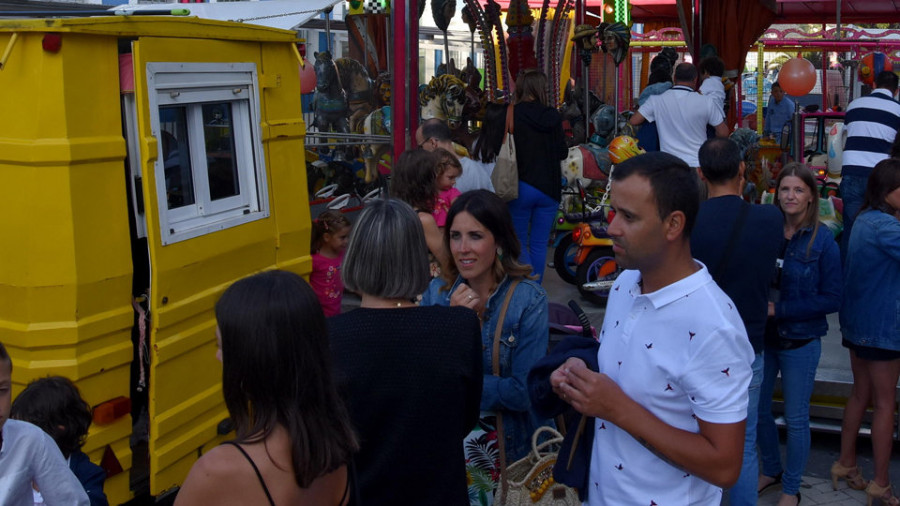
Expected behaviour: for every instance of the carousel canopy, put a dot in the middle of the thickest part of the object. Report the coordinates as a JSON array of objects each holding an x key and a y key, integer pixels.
[{"x": 786, "y": 11}]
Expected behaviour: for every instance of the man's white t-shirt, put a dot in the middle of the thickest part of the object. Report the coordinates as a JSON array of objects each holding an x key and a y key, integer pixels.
[
  {"x": 682, "y": 353},
  {"x": 475, "y": 175},
  {"x": 681, "y": 116}
]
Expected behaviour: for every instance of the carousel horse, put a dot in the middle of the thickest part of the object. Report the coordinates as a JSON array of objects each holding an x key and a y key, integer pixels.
[
  {"x": 383, "y": 89},
  {"x": 358, "y": 87},
  {"x": 473, "y": 110},
  {"x": 444, "y": 97},
  {"x": 378, "y": 122},
  {"x": 330, "y": 103},
  {"x": 475, "y": 96},
  {"x": 572, "y": 112},
  {"x": 589, "y": 163},
  {"x": 352, "y": 79}
]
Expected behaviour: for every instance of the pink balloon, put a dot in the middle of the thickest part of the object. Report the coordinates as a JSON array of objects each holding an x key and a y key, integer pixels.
[
  {"x": 307, "y": 78},
  {"x": 797, "y": 77}
]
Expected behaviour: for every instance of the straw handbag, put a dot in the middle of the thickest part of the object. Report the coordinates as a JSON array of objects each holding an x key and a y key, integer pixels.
[{"x": 529, "y": 480}]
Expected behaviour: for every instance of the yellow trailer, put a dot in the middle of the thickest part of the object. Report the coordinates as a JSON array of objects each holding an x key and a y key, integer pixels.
[{"x": 145, "y": 164}]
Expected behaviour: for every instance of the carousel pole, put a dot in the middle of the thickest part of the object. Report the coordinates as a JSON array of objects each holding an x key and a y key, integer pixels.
[
  {"x": 328, "y": 29},
  {"x": 585, "y": 39},
  {"x": 616, "y": 103}
]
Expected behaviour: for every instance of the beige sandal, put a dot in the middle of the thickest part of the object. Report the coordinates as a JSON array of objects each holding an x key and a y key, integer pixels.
[
  {"x": 856, "y": 482},
  {"x": 883, "y": 494}
]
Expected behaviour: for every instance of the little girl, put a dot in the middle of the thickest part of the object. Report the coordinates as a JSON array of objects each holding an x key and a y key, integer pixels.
[
  {"x": 446, "y": 172},
  {"x": 329, "y": 240}
]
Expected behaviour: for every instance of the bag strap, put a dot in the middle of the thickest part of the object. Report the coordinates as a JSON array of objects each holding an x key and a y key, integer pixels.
[
  {"x": 510, "y": 123},
  {"x": 495, "y": 369},
  {"x": 732, "y": 242}
]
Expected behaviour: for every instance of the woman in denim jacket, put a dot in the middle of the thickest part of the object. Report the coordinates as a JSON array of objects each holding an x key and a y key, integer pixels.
[
  {"x": 810, "y": 288},
  {"x": 484, "y": 250},
  {"x": 870, "y": 323}
]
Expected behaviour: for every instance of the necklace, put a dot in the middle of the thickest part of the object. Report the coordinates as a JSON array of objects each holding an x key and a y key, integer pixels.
[
  {"x": 480, "y": 312},
  {"x": 380, "y": 303}
]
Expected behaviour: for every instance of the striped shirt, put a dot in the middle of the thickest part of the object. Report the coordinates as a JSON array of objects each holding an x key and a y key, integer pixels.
[{"x": 871, "y": 123}]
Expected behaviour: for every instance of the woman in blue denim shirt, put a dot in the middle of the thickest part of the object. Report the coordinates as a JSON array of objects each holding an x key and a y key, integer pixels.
[
  {"x": 810, "y": 288},
  {"x": 870, "y": 323},
  {"x": 484, "y": 250}
]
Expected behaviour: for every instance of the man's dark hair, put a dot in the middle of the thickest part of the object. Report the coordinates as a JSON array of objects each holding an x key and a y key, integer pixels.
[
  {"x": 720, "y": 159},
  {"x": 54, "y": 405},
  {"x": 675, "y": 184},
  {"x": 685, "y": 73},
  {"x": 776, "y": 84},
  {"x": 435, "y": 128},
  {"x": 887, "y": 79},
  {"x": 713, "y": 65}
]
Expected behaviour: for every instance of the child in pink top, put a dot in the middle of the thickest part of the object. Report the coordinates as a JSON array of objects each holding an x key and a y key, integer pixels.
[
  {"x": 446, "y": 173},
  {"x": 329, "y": 240}
]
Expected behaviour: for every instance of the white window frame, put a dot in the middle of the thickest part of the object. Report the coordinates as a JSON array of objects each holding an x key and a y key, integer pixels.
[{"x": 192, "y": 85}]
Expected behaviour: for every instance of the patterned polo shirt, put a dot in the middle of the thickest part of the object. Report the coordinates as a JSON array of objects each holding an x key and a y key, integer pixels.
[{"x": 683, "y": 354}]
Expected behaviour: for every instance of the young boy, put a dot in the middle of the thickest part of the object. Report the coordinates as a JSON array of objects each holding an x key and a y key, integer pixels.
[
  {"x": 29, "y": 457},
  {"x": 711, "y": 69}
]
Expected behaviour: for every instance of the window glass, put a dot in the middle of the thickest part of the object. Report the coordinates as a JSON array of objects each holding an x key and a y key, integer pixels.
[
  {"x": 176, "y": 156},
  {"x": 221, "y": 164}
]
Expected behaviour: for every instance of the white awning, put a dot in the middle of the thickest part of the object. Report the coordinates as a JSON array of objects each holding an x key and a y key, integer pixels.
[{"x": 284, "y": 14}]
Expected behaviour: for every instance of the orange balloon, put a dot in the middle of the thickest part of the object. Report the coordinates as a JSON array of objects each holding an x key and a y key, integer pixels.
[
  {"x": 307, "y": 78},
  {"x": 797, "y": 76}
]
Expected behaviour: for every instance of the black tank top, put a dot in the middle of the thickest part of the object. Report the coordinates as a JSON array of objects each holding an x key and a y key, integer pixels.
[{"x": 263, "y": 482}]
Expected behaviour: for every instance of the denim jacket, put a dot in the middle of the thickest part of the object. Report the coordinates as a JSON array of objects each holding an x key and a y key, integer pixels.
[
  {"x": 870, "y": 315},
  {"x": 810, "y": 285},
  {"x": 523, "y": 342}
]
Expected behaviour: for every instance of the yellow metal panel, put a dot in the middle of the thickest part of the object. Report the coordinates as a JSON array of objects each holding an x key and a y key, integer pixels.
[
  {"x": 66, "y": 272},
  {"x": 187, "y": 277},
  {"x": 146, "y": 26}
]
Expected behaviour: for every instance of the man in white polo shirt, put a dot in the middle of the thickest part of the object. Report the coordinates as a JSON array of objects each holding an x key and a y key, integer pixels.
[
  {"x": 681, "y": 115},
  {"x": 674, "y": 361}
]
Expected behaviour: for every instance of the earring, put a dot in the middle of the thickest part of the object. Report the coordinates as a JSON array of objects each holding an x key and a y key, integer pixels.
[{"x": 500, "y": 252}]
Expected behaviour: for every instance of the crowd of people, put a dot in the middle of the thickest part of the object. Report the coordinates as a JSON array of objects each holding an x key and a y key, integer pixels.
[{"x": 437, "y": 381}]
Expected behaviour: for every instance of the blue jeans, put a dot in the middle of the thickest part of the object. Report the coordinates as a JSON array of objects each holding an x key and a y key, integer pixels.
[
  {"x": 743, "y": 493},
  {"x": 798, "y": 374},
  {"x": 533, "y": 214},
  {"x": 853, "y": 188}
]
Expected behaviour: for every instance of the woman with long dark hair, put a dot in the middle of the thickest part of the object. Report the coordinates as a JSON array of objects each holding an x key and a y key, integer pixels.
[
  {"x": 483, "y": 272},
  {"x": 809, "y": 287},
  {"x": 293, "y": 439},
  {"x": 870, "y": 323},
  {"x": 540, "y": 147}
]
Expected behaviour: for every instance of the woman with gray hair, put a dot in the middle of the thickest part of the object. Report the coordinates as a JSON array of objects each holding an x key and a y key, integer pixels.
[{"x": 411, "y": 375}]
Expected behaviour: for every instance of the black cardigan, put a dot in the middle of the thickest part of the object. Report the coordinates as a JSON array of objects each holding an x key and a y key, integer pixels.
[{"x": 412, "y": 379}]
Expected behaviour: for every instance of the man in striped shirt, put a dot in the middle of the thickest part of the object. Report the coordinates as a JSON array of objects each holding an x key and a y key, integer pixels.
[{"x": 871, "y": 123}]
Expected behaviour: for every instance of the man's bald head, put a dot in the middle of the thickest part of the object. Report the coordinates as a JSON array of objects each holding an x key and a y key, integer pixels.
[{"x": 433, "y": 133}]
